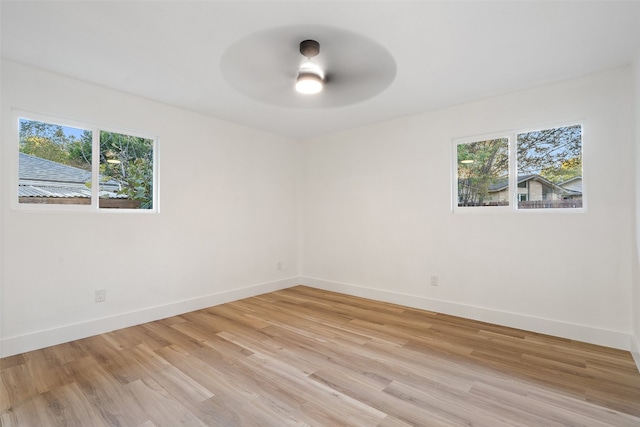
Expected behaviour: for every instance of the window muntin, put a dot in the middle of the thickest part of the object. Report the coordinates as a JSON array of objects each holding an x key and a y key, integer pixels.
[
  {"x": 539, "y": 170},
  {"x": 58, "y": 165},
  {"x": 483, "y": 173}
]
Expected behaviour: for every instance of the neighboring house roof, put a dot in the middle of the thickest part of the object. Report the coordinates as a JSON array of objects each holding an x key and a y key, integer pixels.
[
  {"x": 38, "y": 177},
  {"x": 35, "y": 190},
  {"x": 573, "y": 184},
  {"x": 34, "y": 168},
  {"x": 503, "y": 183}
]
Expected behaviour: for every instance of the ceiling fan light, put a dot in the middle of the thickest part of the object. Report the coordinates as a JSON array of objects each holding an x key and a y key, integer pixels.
[{"x": 309, "y": 83}]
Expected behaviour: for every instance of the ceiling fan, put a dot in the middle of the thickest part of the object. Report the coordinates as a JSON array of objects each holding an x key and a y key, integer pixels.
[
  {"x": 267, "y": 66},
  {"x": 310, "y": 76}
]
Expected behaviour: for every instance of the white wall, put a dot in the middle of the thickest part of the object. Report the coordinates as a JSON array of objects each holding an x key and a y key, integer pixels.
[
  {"x": 227, "y": 216},
  {"x": 377, "y": 218}
]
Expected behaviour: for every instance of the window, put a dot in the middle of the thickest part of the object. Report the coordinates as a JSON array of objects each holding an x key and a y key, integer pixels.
[
  {"x": 483, "y": 173},
  {"x": 547, "y": 159},
  {"x": 540, "y": 169},
  {"x": 54, "y": 164},
  {"x": 126, "y": 171},
  {"x": 60, "y": 164}
]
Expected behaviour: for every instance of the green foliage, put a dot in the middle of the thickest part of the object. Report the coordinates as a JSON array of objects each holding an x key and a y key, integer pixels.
[
  {"x": 80, "y": 151},
  {"x": 54, "y": 133},
  {"x": 44, "y": 148},
  {"x": 568, "y": 169},
  {"x": 129, "y": 160},
  {"x": 49, "y": 141}
]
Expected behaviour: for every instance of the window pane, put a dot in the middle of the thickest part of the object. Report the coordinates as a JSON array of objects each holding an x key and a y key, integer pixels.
[
  {"x": 54, "y": 165},
  {"x": 550, "y": 162},
  {"x": 126, "y": 171},
  {"x": 483, "y": 173}
]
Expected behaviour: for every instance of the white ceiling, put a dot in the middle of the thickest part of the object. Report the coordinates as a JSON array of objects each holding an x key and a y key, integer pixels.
[{"x": 446, "y": 52}]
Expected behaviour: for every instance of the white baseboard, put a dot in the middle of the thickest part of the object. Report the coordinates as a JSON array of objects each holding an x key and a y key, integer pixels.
[
  {"x": 556, "y": 328},
  {"x": 45, "y": 338},
  {"x": 58, "y": 335},
  {"x": 635, "y": 350}
]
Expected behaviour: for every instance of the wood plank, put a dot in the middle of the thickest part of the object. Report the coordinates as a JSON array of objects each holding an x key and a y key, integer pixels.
[{"x": 308, "y": 357}]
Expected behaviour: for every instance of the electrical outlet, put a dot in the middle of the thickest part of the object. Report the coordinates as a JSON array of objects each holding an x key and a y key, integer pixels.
[
  {"x": 279, "y": 266},
  {"x": 101, "y": 295},
  {"x": 434, "y": 280}
]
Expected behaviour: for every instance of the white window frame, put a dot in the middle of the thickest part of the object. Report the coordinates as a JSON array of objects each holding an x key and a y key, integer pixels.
[
  {"x": 95, "y": 165},
  {"x": 513, "y": 171}
]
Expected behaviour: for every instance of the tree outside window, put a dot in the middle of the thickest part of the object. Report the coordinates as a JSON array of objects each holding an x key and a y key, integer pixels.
[{"x": 482, "y": 165}]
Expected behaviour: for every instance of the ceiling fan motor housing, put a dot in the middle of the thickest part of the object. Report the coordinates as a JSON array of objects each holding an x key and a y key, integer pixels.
[{"x": 309, "y": 48}]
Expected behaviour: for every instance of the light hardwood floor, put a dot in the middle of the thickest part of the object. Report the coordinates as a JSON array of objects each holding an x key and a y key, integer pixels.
[{"x": 303, "y": 356}]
